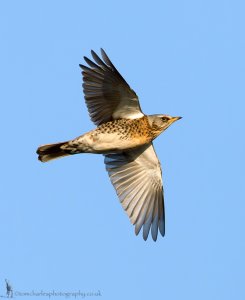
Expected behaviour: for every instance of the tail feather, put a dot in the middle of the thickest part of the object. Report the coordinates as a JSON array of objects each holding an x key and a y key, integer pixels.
[{"x": 51, "y": 151}]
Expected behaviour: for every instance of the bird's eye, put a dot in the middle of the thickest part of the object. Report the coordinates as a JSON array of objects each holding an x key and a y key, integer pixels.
[{"x": 164, "y": 119}]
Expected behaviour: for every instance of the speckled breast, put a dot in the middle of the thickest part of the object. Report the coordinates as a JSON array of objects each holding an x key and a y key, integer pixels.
[{"x": 121, "y": 134}]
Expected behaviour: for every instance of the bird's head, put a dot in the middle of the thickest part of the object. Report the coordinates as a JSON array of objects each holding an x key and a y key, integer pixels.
[{"x": 159, "y": 123}]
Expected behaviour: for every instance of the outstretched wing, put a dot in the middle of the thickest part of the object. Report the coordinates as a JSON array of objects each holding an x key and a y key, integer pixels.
[
  {"x": 107, "y": 94},
  {"x": 137, "y": 178}
]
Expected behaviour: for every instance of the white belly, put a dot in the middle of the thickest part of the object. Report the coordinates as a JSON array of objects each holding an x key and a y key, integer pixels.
[{"x": 104, "y": 143}]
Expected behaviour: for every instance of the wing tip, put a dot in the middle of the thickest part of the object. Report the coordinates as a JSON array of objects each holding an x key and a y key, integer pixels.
[{"x": 154, "y": 234}]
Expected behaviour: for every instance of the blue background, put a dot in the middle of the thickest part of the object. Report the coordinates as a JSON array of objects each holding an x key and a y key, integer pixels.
[{"x": 62, "y": 226}]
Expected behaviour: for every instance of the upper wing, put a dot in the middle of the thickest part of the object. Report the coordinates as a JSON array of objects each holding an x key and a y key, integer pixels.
[
  {"x": 137, "y": 178},
  {"x": 107, "y": 94}
]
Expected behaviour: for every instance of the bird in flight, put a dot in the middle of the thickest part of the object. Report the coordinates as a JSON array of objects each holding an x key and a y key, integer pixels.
[{"x": 124, "y": 135}]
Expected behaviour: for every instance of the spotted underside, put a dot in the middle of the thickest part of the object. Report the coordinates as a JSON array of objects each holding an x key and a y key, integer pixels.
[{"x": 127, "y": 129}]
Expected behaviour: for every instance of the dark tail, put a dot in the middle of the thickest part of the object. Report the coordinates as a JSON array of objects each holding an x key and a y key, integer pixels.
[{"x": 51, "y": 151}]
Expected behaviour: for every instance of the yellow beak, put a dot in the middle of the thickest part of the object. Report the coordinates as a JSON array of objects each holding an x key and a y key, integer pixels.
[{"x": 173, "y": 119}]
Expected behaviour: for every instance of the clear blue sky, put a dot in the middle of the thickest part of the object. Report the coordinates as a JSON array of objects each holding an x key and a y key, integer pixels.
[{"x": 62, "y": 226}]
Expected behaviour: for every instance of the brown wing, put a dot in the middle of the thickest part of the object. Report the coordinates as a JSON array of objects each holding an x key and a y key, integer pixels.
[
  {"x": 107, "y": 94},
  {"x": 137, "y": 178}
]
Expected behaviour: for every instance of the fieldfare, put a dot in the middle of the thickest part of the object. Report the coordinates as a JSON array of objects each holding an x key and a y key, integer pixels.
[{"x": 124, "y": 135}]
